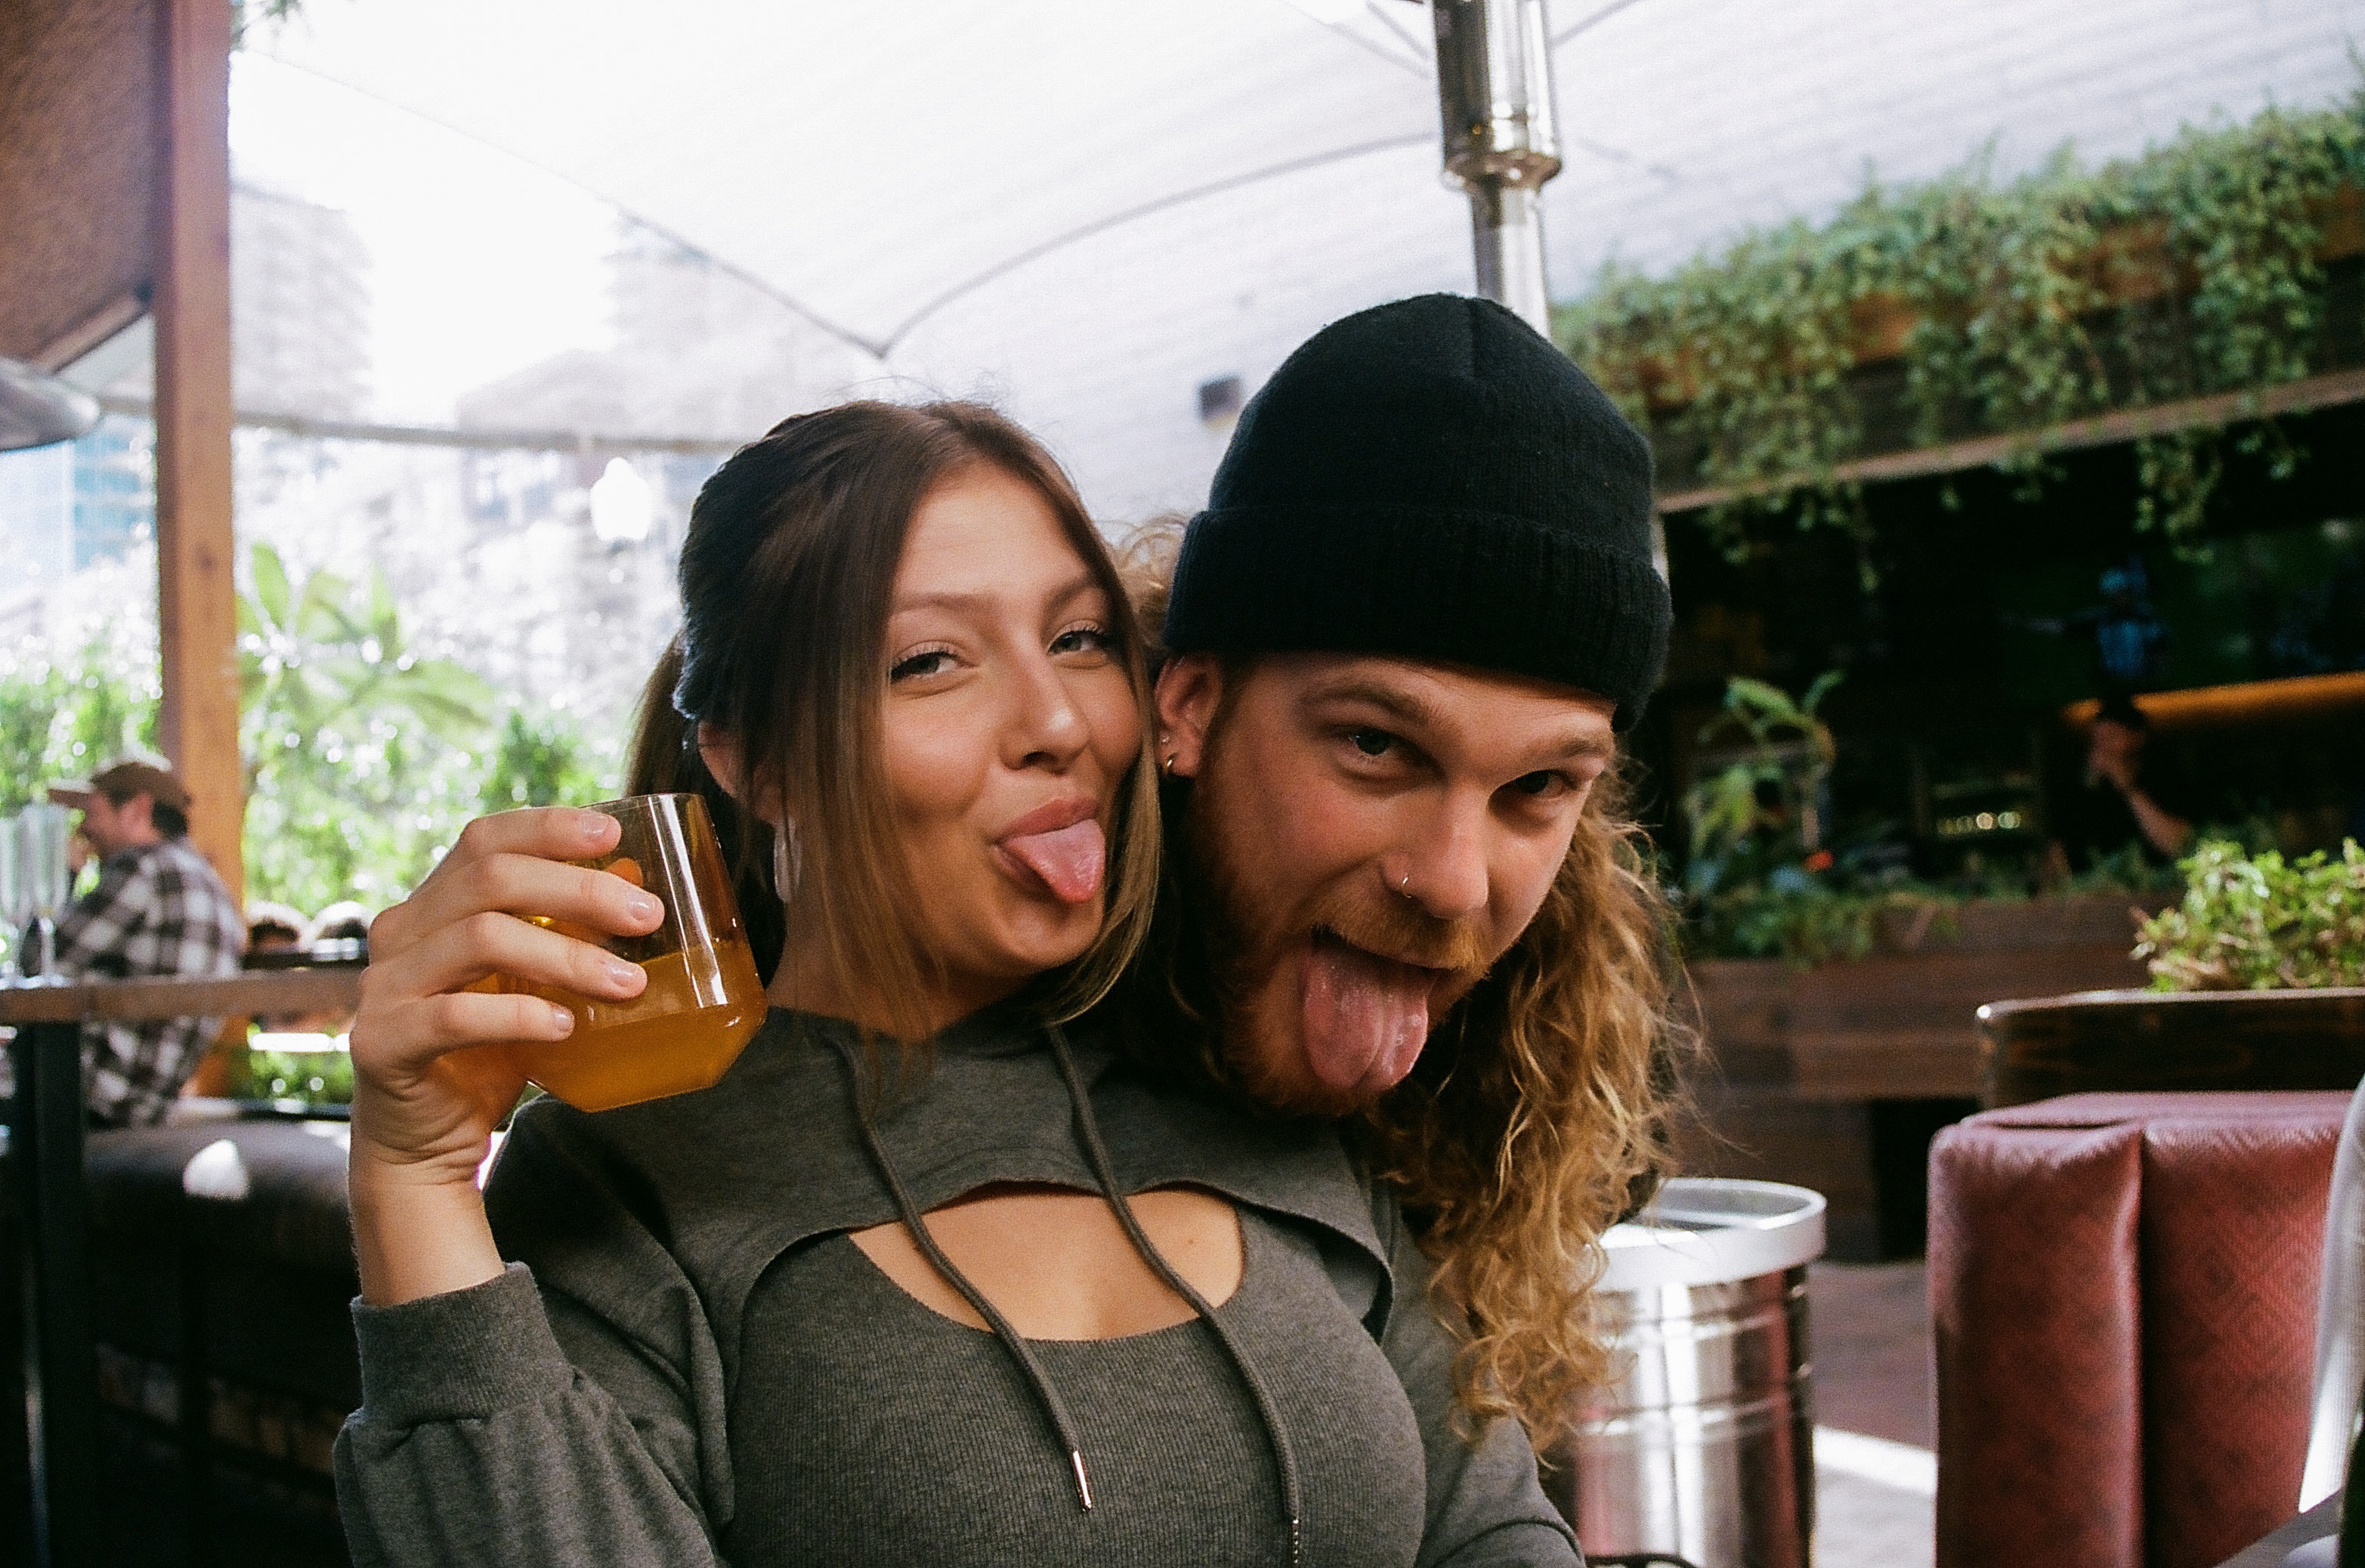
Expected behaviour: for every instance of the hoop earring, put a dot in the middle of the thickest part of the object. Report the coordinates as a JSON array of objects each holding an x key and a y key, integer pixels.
[{"x": 787, "y": 861}]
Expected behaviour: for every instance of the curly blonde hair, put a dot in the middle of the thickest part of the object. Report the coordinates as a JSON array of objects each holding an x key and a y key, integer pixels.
[{"x": 1540, "y": 1115}]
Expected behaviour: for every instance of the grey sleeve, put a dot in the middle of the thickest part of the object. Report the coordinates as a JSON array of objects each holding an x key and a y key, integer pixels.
[
  {"x": 1486, "y": 1507},
  {"x": 480, "y": 1440}
]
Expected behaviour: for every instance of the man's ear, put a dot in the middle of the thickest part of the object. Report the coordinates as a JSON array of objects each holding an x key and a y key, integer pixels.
[
  {"x": 1190, "y": 688},
  {"x": 719, "y": 750}
]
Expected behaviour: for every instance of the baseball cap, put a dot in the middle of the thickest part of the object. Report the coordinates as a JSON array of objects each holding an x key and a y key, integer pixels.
[{"x": 120, "y": 781}]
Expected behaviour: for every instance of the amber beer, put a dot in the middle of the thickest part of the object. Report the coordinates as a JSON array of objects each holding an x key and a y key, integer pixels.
[{"x": 703, "y": 1002}]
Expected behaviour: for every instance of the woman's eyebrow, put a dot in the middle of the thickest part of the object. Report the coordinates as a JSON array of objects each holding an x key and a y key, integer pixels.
[{"x": 1075, "y": 587}]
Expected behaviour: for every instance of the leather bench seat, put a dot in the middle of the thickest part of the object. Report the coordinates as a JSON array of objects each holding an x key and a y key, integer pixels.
[
  {"x": 2123, "y": 1292},
  {"x": 221, "y": 1269}
]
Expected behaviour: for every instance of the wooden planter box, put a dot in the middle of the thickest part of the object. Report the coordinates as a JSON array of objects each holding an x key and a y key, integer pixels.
[
  {"x": 1834, "y": 1077},
  {"x": 2139, "y": 1040},
  {"x": 1902, "y": 1023}
]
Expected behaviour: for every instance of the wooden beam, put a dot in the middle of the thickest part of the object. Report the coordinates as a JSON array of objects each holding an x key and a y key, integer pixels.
[
  {"x": 195, "y": 604},
  {"x": 459, "y": 438},
  {"x": 2249, "y": 701},
  {"x": 2103, "y": 430}
]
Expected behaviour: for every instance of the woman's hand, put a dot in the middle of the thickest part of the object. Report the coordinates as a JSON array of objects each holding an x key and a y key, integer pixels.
[{"x": 425, "y": 1101}]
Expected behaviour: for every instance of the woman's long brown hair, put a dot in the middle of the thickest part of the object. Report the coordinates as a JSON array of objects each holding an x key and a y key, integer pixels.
[{"x": 786, "y": 578}]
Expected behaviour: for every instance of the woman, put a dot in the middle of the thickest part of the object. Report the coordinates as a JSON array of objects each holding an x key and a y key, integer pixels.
[{"x": 991, "y": 1300}]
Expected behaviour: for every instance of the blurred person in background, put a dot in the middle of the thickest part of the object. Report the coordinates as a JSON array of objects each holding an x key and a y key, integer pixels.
[
  {"x": 2119, "y": 800},
  {"x": 159, "y": 910},
  {"x": 273, "y": 927}
]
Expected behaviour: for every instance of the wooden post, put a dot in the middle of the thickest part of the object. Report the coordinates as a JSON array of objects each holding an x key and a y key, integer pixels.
[{"x": 195, "y": 604}]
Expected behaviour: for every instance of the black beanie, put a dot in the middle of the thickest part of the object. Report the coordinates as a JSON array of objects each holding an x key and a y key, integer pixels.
[{"x": 1431, "y": 479}]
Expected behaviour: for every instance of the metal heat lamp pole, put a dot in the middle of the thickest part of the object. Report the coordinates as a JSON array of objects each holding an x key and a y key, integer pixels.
[{"x": 1495, "y": 97}]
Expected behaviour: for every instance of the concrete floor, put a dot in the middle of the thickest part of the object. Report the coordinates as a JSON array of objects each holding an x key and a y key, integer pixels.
[{"x": 1876, "y": 1475}]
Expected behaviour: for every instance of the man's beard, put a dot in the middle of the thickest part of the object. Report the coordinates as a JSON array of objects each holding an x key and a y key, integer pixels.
[{"x": 1345, "y": 929}]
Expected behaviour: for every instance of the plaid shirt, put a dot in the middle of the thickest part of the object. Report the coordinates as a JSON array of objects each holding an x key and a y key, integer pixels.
[{"x": 158, "y": 909}]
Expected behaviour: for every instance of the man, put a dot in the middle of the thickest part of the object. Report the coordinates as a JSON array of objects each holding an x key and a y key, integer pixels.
[
  {"x": 158, "y": 909},
  {"x": 1403, "y": 641},
  {"x": 2115, "y": 806}
]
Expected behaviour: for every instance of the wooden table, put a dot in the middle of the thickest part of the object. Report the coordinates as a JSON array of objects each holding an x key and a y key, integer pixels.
[{"x": 45, "y": 1184}]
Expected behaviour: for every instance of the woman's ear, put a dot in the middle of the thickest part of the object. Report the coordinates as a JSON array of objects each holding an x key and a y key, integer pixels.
[
  {"x": 1190, "y": 687},
  {"x": 719, "y": 750}
]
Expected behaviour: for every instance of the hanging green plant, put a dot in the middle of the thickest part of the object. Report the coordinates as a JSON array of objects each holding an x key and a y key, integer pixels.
[{"x": 2013, "y": 306}]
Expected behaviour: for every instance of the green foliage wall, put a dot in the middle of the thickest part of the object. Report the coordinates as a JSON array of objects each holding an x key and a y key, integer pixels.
[{"x": 2191, "y": 270}]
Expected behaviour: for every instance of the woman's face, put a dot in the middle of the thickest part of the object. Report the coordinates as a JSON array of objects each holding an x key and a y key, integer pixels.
[{"x": 1010, "y": 723}]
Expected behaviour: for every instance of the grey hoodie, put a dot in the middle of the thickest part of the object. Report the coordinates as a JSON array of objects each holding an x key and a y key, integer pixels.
[{"x": 576, "y": 1410}]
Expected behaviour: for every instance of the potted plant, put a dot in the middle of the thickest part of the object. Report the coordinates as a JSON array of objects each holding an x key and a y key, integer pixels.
[{"x": 2258, "y": 982}]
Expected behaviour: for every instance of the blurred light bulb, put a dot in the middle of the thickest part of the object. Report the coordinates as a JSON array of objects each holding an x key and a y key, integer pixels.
[{"x": 622, "y": 506}]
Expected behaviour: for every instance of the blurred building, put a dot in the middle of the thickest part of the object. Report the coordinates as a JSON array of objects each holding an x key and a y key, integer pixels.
[
  {"x": 36, "y": 535},
  {"x": 299, "y": 302},
  {"x": 699, "y": 350}
]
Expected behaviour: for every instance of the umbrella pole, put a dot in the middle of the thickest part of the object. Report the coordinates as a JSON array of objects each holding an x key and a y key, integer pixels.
[{"x": 1494, "y": 101}]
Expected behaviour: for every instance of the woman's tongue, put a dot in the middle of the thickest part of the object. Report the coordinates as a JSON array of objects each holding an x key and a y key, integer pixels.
[
  {"x": 1069, "y": 859},
  {"x": 1366, "y": 1017}
]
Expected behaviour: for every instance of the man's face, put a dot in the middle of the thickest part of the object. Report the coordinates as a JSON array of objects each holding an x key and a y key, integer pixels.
[
  {"x": 1371, "y": 834},
  {"x": 110, "y": 827}
]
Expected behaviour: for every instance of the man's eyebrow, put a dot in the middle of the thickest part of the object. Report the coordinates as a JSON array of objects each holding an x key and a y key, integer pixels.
[
  {"x": 1578, "y": 745},
  {"x": 1407, "y": 707},
  {"x": 1584, "y": 745}
]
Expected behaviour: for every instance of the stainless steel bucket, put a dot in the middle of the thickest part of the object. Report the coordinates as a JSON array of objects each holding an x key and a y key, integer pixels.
[{"x": 1701, "y": 1449}]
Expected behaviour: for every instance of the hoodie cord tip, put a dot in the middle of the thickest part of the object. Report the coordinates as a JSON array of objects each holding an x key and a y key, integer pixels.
[{"x": 1083, "y": 1486}]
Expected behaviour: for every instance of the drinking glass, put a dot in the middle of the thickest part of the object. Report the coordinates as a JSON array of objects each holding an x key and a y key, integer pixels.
[
  {"x": 15, "y": 900},
  {"x": 43, "y": 832},
  {"x": 704, "y": 1001}
]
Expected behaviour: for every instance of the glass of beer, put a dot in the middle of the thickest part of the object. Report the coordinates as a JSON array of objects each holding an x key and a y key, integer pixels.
[{"x": 703, "y": 1002}]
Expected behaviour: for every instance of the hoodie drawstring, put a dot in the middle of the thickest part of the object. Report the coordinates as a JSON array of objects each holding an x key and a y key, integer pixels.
[
  {"x": 1047, "y": 1395},
  {"x": 1104, "y": 1170},
  {"x": 1055, "y": 1409}
]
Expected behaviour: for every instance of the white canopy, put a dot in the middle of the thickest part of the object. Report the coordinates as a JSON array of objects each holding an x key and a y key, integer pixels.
[{"x": 1086, "y": 209}]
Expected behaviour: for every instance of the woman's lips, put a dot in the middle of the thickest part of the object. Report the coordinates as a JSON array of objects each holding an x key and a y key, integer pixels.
[{"x": 1062, "y": 845}]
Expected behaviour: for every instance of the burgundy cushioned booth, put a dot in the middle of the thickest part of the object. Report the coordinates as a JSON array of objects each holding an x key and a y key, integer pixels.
[{"x": 2123, "y": 1293}]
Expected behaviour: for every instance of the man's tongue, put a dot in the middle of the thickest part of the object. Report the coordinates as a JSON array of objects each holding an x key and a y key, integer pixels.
[
  {"x": 1366, "y": 1017},
  {"x": 1069, "y": 859}
]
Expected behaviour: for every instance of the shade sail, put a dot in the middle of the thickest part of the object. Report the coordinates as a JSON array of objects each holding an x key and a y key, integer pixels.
[{"x": 1086, "y": 209}]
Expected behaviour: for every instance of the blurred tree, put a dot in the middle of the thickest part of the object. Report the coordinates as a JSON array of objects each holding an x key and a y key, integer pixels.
[
  {"x": 540, "y": 764},
  {"x": 360, "y": 760},
  {"x": 56, "y": 724}
]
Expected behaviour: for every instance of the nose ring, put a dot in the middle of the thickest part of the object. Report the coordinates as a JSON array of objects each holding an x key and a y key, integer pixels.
[{"x": 1404, "y": 887}]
